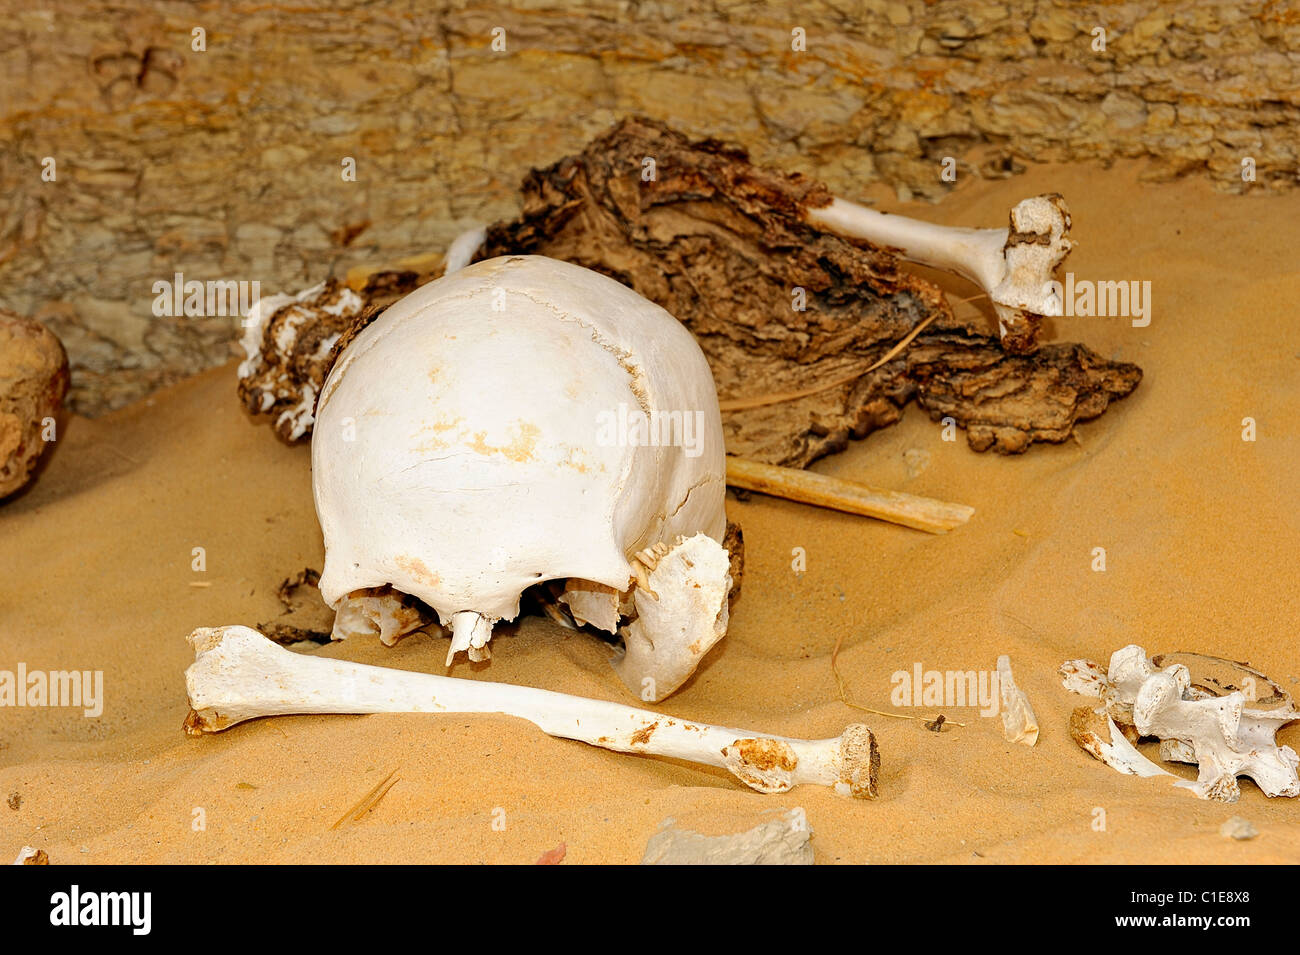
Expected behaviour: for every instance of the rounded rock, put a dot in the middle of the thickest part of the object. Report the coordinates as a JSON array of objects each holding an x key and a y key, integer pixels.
[{"x": 33, "y": 382}]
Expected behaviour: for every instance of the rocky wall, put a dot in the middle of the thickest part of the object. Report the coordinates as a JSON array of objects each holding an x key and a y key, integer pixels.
[{"x": 244, "y": 142}]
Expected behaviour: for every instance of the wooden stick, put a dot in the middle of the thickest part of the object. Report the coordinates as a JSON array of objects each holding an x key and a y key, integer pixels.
[{"x": 807, "y": 487}]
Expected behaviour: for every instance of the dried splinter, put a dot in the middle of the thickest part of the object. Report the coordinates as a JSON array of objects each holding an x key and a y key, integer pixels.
[{"x": 1019, "y": 724}]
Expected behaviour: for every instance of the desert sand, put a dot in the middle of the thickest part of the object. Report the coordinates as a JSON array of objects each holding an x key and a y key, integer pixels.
[{"x": 1200, "y": 529}]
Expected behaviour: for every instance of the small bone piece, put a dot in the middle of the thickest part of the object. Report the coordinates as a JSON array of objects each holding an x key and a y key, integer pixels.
[
  {"x": 289, "y": 342},
  {"x": 1098, "y": 736},
  {"x": 29, "y": 856},
  {"x": 1083, "y": 677},
  {"x": 1019, "y": 724},
  {"x": 379, "y": 611},
  {"x": 462, "y": 249},
  {"x": 239, "y": 675},
  {"x": 470, "y": 631},
  {"x": 1176, "y": 751},
  {"x": 784, "y": 841},
  {"x": 33, "y": 381},
  {"x": 1014, "y": 266}
]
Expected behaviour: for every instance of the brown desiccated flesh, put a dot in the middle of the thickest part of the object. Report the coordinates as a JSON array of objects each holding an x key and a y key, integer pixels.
[{"x": 722, "y": 245}]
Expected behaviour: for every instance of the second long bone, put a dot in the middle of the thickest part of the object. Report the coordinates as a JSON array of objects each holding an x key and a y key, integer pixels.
[{"x": 1015, "y": 266}]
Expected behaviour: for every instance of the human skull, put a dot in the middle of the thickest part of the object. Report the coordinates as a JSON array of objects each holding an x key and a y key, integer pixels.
[{"x": 519, "y": 421}]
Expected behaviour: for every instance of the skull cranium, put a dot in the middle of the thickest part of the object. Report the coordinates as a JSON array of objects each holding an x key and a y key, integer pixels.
[{"x": 519, "y": 421}]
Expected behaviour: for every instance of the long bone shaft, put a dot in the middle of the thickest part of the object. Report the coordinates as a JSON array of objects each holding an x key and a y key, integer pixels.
[
  {"x": 1015, "y": 266},
  {"x": 238, "y": 675}
]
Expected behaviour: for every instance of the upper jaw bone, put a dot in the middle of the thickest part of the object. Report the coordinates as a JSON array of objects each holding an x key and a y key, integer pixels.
[
  {"x": 238, "y": 675},
  {"x": 1014, "y": 266}
]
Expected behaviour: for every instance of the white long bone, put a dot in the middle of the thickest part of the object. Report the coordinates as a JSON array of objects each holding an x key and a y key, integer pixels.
[
  {"x": 238, "y": 674},
  {"x": 1015, "y": 266}
]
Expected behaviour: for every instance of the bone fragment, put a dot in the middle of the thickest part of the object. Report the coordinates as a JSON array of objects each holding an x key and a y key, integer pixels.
[
  {"x": 591, "y": 603},
  {"x": 1083, "y": 677},
  {"x": 1019, "y": 724},
  {"x": 470, "y": 632},
  {"x": 461, "y": 251},
  {"x": 288, "y": 341},
  {"x": 681, "y": 613},
  {"x": 378, "y": 611},
  {"x": 1176, "y": 751},
  {"x": 1098, "y": 735},
  {"x": 1238, "y": 828}
]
